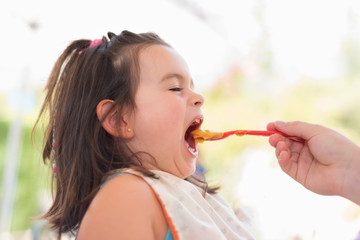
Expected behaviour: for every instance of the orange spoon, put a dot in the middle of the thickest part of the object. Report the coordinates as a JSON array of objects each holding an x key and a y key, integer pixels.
[{"x": 208, "y": 135}]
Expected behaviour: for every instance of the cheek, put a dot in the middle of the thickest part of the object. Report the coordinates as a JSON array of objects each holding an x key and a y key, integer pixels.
[
  {"x": 162, "y": 117},
  {"x": 175, "y": 115},
  {"x": 170, "y": 120},
  {"x": 175, "y": 110}
]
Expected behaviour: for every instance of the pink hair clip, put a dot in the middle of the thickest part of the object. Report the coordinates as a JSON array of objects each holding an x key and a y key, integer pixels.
[{"x": 94, "y": 43}]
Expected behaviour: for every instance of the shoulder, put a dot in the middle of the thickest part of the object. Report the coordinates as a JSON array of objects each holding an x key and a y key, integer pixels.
[{"x": 124, "y": 208}]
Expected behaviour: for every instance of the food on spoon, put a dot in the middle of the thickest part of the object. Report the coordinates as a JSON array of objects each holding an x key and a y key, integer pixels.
[
  {"x": 202, "y": 135},
  {"x": 208, "y": 135}
]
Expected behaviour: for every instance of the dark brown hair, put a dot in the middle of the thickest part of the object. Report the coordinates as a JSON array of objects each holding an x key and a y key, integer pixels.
[{"x": 84, "y": 151}]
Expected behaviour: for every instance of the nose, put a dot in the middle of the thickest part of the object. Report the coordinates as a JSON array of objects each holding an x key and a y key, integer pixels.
[{"x": 197, "y": 99}]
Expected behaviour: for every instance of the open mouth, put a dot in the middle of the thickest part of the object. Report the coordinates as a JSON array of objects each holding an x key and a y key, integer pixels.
[{"x": 189, "y": 138}]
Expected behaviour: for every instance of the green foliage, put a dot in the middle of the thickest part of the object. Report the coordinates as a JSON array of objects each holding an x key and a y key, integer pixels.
[
  {"x": 351, "y": 59},
  {"x": 31, "y": 178},
  {"x": 31, "y": 182},
  {"x": 4, "y": 126}
]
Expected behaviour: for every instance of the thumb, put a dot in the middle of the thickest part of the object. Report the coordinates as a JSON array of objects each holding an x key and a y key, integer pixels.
[{"x": 297, "y": 129}]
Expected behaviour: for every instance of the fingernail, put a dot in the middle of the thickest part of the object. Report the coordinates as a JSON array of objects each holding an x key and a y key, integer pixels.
[{"x": 280, "y": 124}]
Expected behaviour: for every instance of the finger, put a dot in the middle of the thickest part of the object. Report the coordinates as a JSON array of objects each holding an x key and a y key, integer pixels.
[
  {"x": 271, "y": 126},
  {"x": 282, "y": 151},
  {"x": 284, "y": 158},
  {"x": 297, "y": 128},
  {"x": 291, "y": 150},
  {"x": 275, "y": 138},
  {"x": 304, "y": 163},
  {"x": 288, "y": 154},
  {"x": 282, "y": 146},
  {"x": 294, "y": 157},
  {"x": 295, "y": 147},
  {"x": 287, "y": 165}
]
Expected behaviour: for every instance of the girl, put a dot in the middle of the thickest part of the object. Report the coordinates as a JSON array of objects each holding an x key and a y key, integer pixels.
[{"x": 119, "y": 113}]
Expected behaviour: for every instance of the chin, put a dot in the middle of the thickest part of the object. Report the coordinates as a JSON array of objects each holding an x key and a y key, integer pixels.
[{"x": 188, "y": 171}]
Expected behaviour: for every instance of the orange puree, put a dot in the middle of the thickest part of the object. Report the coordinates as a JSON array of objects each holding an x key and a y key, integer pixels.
[
  {"x": 240, "y": 132},
  {"x": 203, "y": 135}
]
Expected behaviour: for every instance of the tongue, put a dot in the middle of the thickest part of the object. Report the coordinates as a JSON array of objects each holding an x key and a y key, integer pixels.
[{"x": 189, "y": 139}]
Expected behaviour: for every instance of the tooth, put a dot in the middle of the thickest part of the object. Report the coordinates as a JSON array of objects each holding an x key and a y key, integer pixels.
[
  {"x": 197, "y": 121},
  {"x": 192, "y": 149}
]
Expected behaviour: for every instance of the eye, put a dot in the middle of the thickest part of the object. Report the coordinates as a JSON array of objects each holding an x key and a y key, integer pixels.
[{"x": 176, "y": 89}]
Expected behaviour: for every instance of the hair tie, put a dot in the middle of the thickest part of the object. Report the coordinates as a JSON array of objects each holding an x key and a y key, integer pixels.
[{"x": 94, "y": 43}]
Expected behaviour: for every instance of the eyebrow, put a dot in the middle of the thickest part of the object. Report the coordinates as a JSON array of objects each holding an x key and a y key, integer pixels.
[{"x": 179, "y": 77}]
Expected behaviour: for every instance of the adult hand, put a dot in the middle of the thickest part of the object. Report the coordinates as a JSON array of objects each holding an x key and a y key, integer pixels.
[{"x": 325, "y": 162}]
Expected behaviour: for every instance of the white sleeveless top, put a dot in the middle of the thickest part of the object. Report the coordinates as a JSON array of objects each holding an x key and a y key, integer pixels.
[{"x": 190, "y": 215}]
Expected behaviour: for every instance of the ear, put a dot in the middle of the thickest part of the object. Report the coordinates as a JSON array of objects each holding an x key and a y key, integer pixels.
[{"x": 113, "y": 121}]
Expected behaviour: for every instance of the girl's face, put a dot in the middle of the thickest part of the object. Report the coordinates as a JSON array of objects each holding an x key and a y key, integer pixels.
[{"x": 166, "y": 107}]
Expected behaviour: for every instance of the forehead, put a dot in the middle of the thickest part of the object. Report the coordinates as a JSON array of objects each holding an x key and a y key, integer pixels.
[{"x": 159, "y": 60}]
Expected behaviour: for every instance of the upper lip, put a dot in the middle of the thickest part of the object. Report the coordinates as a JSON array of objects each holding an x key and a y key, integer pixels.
[{"x": 199, "y": 118}]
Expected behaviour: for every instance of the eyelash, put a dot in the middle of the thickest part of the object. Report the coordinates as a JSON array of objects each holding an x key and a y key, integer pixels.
[{"x": 177, "y": 89}]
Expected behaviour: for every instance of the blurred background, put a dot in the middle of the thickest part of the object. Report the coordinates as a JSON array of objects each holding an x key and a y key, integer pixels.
[{"x": 255, "y": 61}]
